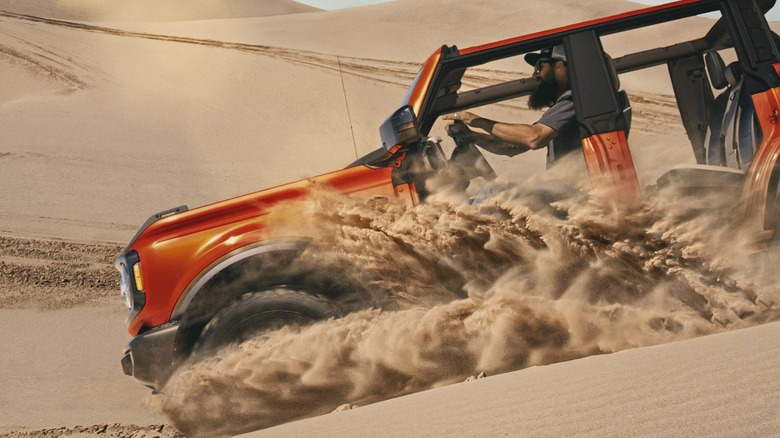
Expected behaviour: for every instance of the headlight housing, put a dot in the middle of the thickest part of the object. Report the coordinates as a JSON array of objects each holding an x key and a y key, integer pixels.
[
  {"x": 125, "y": 288},
  {"x": 131, "y": 284}
]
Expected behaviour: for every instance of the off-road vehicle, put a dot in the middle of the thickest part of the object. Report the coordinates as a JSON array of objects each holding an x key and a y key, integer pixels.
[{"x": 183, "y": 276}]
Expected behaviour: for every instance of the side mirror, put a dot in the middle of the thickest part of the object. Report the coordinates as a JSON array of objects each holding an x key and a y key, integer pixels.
[{"x": 400, "y": 129}]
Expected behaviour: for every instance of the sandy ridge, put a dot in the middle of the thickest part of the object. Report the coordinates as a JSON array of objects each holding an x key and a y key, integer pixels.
[
  {"x": 47, "y": 69},
  {"x": 51, "y": 274},
  {"x": 155, "y": 10},
  {"x": 384, "y": 71}
]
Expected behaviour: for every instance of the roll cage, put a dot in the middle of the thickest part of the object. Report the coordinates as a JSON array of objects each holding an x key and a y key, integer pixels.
[
  {"x": 755, "y": 47},
  {"x": 593, "y": 77}
]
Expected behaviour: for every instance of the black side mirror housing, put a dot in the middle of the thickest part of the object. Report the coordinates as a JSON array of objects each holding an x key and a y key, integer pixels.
[{"x": 400, "y": 129}]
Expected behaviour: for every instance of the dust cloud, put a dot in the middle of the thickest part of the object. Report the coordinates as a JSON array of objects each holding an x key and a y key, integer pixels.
[{"x": 527, "y": 277}]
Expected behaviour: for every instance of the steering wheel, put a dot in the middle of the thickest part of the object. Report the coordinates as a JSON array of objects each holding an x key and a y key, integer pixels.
[{"x": 466, "y": 157}]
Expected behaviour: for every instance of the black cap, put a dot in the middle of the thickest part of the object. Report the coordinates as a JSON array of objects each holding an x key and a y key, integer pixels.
[{"x": 555, "y": 52}]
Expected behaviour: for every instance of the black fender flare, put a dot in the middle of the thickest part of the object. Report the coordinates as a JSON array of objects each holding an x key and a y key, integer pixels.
[
  {"x": 287, "y": 244},
  {"x": 206, "y": 295}
]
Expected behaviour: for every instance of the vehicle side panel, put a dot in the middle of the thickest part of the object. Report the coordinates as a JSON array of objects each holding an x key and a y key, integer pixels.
[
  {"x": 610, "y": 164},
  {"x": 767, "y": 105},
  {"x": 175, "y": 249}
]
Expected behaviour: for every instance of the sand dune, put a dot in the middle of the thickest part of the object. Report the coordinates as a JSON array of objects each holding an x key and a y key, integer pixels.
[
  {"x": 237, "y": 114},
  {"x": 116, "y": 113},
  {"x": 152, "y": 10},
  {"x": 411, "y": 29}
]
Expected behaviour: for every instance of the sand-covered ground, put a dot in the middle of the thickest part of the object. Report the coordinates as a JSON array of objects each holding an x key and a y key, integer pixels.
[
  {"x": 722, "y": 385},
  {"x": 109, "y": 115}
]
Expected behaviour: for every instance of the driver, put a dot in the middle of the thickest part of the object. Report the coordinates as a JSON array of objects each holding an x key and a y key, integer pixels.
[{"x": 557, "y": 128}]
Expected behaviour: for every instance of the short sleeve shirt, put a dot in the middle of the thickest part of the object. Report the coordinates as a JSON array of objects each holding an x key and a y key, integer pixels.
[{"x": 562, "y": 119}]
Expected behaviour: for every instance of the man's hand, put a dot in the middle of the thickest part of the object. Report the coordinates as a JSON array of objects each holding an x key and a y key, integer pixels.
[
  {"x": 520, "y": 135},
  {"x": 461, "y": 116}
]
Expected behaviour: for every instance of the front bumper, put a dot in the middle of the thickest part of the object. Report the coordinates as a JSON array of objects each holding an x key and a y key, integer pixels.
[{"x": 149, "y": 357}]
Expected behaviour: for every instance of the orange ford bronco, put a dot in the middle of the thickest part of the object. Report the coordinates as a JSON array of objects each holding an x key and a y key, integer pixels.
[{"x": 183, "y": 274}]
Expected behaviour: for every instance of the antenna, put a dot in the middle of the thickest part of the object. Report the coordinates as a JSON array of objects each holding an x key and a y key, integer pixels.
[{"x": 346, "y": 102}]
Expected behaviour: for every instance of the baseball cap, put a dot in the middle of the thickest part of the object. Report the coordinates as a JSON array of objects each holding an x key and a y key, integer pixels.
[{"x": 555, "y": 52}]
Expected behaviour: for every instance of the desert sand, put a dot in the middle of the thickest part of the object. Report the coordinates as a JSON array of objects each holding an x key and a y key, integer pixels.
[
  {"x": 109, "y": 115},
  {"x": 721, "y": 385}
]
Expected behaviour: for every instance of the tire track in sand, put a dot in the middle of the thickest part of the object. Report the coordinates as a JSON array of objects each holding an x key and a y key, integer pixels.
[
  {"x": 393, "y": 72},
  {"x": 661, "y": 117},
  {"x": 55, "y": 274}
]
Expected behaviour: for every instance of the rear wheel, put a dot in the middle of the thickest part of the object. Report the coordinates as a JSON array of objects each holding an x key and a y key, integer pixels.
[{"x": 260, "y": 312}]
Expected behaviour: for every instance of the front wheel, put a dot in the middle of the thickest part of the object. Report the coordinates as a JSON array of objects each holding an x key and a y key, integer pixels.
[{"x": 260, "y": 312}]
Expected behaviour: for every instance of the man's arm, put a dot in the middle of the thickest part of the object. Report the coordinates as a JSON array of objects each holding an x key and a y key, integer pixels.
[
  {"x": 533, "y": 136},
  {"x": 491, "y": 143}
]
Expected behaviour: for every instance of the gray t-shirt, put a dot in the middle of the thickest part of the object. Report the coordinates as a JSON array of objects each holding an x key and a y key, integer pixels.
[{"x": 562, "y": 119}]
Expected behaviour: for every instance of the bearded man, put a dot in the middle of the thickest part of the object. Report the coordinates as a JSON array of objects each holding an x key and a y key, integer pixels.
[{"x": 557, "y": 128}]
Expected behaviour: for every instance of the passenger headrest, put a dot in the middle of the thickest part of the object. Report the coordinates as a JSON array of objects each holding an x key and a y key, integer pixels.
[
  {"x": 716, "y": 69},
  {"x": 733, "y": 73}
]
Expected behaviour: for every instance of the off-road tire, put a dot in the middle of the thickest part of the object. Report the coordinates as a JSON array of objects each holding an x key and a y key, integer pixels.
[{"x": 258, "y": 312}]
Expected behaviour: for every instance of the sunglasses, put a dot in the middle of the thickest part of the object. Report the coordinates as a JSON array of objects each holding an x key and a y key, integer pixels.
[{"x": 540, "y": 63}]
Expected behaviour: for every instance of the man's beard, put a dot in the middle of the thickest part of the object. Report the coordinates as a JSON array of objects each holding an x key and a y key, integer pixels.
[{"x": 544, "y": 94}]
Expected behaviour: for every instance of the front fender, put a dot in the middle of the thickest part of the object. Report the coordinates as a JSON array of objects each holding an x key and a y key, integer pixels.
[{"x": 277, "y": 245}]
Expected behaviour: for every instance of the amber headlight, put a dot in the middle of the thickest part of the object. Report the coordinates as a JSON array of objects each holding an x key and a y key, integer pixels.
[{"x": 139, "y": 279}]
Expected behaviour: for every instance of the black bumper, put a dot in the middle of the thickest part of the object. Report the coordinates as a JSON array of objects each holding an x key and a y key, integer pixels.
[{"x": 149, "y": 357}]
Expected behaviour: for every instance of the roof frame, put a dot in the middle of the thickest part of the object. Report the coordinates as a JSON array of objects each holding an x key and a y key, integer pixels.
[{"x": 443, "y": 97}]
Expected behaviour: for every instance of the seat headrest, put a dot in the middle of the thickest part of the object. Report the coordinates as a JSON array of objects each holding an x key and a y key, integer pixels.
[
  {"x": 716, "y": 69},
  {"x": 733, "y": 73}
]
